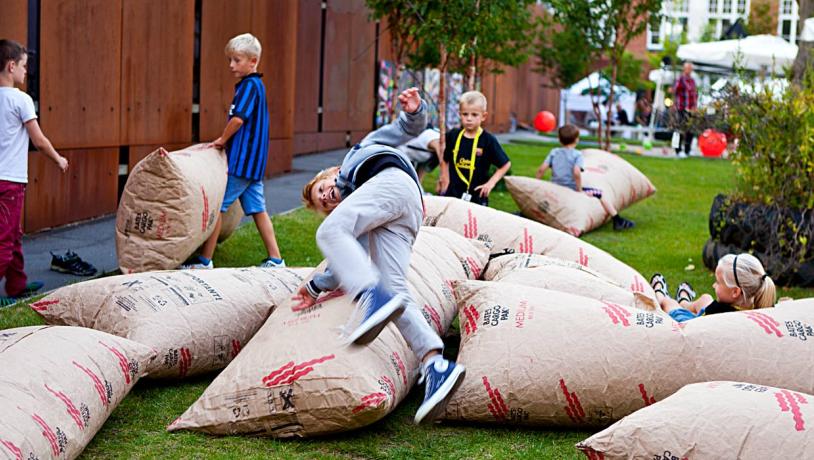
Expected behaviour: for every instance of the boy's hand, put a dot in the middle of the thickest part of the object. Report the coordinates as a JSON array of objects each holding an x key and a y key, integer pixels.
[
  {"x": 62, "y": 162},
  {"x": 217, "y": 143},
  {"x": 303, "y": 299},
  {"x": 443, "y": 183},
  {"x": 485, "y": 189},
  {"x": 410, "y": 100}
]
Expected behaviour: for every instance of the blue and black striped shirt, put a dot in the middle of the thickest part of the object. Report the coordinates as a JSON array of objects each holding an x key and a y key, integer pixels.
[{"x": 248, "y": 149}]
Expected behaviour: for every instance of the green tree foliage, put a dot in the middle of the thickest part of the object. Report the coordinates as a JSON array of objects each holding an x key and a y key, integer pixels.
[
  {"x": 564, "y": 53},
  {"x": 761, "y": 20},
  {"x": 608, "y": 26},
  {"x": 457, "y": 35},
  {"x": 629, "y": 73}
]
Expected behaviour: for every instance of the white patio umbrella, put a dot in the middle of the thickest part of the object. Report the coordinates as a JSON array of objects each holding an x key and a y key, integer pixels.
[{"x": 757, "y": 52}]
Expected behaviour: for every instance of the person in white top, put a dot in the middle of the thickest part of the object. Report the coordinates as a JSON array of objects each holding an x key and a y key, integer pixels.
[{"x": 18, "y": 124}]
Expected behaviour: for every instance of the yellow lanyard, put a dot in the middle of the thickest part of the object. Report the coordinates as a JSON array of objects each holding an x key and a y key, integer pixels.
[{"x": 472, "y": 159}]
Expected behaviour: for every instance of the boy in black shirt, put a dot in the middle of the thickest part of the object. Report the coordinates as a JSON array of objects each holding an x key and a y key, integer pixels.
[{"x": 469, "y": 152}]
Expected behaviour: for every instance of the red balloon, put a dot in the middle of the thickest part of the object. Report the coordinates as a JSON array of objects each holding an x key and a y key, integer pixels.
[
  {"x": 545, "y": 121},
  {"x": 712, "y": 143}
]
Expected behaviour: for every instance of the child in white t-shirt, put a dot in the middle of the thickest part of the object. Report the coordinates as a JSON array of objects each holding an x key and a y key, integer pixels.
[{"x": 18, "y": 124}]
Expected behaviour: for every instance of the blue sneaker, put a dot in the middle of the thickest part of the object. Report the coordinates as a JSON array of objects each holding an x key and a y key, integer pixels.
[
  {"x": 380, "y": 307},
  {"x": 442, "y": 379},
  {"x": 30, "y": 289}
]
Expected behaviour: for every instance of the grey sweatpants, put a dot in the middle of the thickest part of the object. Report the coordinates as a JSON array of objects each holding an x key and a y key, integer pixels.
[{"x": 369, "y": 238}]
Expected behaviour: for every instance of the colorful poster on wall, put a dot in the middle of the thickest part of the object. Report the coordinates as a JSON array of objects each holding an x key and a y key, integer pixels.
[
  {"x": 384, "y": 93},
  {"x": 428, "y": 82}
]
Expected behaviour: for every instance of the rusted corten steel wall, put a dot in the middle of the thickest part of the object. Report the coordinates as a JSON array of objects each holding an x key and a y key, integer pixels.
[{"x": 117, "y": 79}]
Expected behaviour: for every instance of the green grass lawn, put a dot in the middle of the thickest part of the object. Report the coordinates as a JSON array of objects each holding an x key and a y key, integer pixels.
[{"x": 671, "y": 228}]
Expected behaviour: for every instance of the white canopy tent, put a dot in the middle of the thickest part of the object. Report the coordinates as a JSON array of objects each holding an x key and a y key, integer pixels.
[
  {"x": 757, "y": 52},
  {"x": 577, "y": 98}
]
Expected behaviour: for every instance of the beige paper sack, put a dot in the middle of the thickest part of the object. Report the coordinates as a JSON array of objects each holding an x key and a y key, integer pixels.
[
  {"x": 713, "y": 420},
  {"x": 231, "y": 221},
  {"x": 168, "y": 207},
  {"x": 560, "y": 275},
  {"x": 298, "y": 378},
  {"x": 539, "y": 357},
  {"x": 58, "y": 385},
  {"x": 546, "y": 358},
  {"x": 575, "y": 212},
  {"x": 197, "y": 320},
  {"x": 515, "y": 234}
]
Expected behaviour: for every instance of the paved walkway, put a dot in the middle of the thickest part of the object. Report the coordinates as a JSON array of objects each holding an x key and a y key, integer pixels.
[{"x": 94, "y": 241}]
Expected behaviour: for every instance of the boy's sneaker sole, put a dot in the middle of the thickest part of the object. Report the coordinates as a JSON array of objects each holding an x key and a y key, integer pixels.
[
  {"x": 432, "y": 408},
  {"x": 69, "y": 271},
  {"x": 371, "y": 327}
]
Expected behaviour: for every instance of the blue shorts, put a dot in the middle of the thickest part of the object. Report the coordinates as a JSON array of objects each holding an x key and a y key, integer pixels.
[{"x": 249, "y": 191}]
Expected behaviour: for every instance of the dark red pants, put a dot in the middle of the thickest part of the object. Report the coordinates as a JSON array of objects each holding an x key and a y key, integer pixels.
[{"x": 12, "y": 195}]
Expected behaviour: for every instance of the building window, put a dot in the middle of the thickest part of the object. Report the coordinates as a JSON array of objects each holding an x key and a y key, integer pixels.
[
  {"x": 787, "y": 20},
  {"x": 675, "y": 17},
  {"x": 724, "y": 13}
]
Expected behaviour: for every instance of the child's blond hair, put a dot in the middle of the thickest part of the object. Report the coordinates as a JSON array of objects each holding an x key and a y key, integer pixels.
[
  {"x": 474, "y": 99},
  {"x": 307, "y": 201},
  {"x": 746, "y": 272},
  {"x": 245, "y": 44}
]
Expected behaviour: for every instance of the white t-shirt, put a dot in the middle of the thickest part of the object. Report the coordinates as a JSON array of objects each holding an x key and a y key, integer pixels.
[
  {"x": 418, "y": 149},
  {"x": 16, "y": 109}
]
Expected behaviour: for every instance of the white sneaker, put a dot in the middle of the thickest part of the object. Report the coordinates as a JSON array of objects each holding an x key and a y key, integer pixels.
[
  {"x": 268, "y": 263},
  {"x": 196, "y": 264},
  {"x": 682, "y": 155}
]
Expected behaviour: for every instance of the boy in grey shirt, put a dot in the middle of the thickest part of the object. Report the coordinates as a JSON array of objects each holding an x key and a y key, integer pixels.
[
  {"x": 566, "y": 166},
  {"x": 375, "y": 210}
]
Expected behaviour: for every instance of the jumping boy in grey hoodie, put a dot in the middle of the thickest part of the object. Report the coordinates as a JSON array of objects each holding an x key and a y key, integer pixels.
[{"x": 374, "y": 207}]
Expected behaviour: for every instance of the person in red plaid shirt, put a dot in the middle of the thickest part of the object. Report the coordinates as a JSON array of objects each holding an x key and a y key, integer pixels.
[{"x": 686, "y": 101}]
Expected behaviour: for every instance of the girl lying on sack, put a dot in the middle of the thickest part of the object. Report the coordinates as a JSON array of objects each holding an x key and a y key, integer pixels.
[{"x": 741, "y": 283}]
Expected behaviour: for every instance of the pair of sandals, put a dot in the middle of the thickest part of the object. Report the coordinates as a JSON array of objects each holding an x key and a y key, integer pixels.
[{"x": 684, "y": 292}]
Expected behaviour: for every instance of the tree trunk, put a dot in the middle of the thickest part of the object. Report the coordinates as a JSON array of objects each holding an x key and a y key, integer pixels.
[
  {"x": 595, "y": 105},
  {"x": 470, "y": 78},
  {"x": 442, "y": 99},
  {"x": 614, "y": 67},
  {"x": 804, "y": 60}
]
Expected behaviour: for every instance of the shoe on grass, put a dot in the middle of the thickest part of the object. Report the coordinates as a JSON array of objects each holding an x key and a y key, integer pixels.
[
  {"x": 379, "y": 307},
  {"x": 442, "y": 378},
  {"x": 271, "y": 262},
  {"x": 620, "y": 223},
  {"x": 7, "y": 301},
  {"x": 197, "y": 263},
  {"x": 30, "y": 289},
  {"x": 71, "y": 263}
]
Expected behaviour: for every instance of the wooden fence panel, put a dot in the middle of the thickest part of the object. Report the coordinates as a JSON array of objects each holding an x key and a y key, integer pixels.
[
  {"x": 80, "y": 72},
  {"x": 306, "y": 117},
  {"x": 276, "y": 25},
  {"x": 88, "y": 189},
  {"x": 337, "y": 74},
  {"x": 14, "y": 21},
  {"x": 362, "y": 69},
  {"x": 157, "y": 58}
]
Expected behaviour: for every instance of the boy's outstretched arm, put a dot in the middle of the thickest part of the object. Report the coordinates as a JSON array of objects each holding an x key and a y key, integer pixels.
[
  {"x": 44, "y": 145},
  {"x": 486, "y": 188},
  {"x": 541, "y": 170},
  {"x": 231, "y": 128},
  {"x": 411, "y": 122},
  {"x": 578, "y": 177}
]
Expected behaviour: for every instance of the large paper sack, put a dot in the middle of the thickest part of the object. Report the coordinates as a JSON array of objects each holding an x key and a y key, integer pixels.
[
  {"x": 713, "y": 420},
  {"x": 58, "y": 385},
  {"x": 298, "y": 378},
  {"x": 509, "y": 234},
  {"x": 197, "y": 320},
  {"x": 231, "y": 221},
  {"x": 575, "y": 212},
  {"x": 539, "y": 357},
  {"x": 168, "y": 207},
  {"x": 561, "y": 275}
]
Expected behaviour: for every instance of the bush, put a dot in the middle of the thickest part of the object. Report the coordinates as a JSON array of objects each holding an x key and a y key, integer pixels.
[{"x": 774, "y": 160}]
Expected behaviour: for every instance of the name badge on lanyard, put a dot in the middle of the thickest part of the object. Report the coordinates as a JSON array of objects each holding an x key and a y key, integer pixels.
[{"x": 466, "y": 180}]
